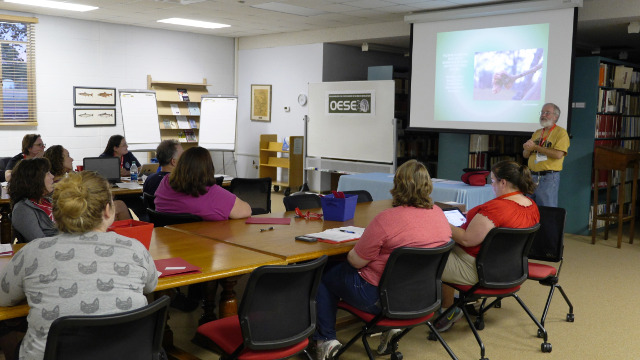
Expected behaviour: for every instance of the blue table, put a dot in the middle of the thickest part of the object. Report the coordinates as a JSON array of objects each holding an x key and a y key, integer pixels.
[{"x": 379, "y": 184}]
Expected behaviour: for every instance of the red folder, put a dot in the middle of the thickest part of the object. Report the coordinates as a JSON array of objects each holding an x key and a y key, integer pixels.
[
  {"x": 268, "y": 220},
  {"x": 175, "y": 266}
]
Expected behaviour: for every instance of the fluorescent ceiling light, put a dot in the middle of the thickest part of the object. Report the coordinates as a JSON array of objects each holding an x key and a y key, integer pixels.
[
  {"x": 289, "y": 9},
  {"x": 194, "y": 23},
  {"x": 54, "y": 5}
]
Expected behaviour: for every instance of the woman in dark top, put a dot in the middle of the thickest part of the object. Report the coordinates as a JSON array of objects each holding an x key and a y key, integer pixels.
[{"x": 117, "y": 147}]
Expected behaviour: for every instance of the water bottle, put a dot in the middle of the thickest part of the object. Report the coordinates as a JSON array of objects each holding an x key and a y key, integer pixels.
[{"x": 134, "y": 172}]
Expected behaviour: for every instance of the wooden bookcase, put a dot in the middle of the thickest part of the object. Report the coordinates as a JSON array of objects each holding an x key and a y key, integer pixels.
[
  {"x": 272, "y": 158},
  {"x": 168, "y": 97}
]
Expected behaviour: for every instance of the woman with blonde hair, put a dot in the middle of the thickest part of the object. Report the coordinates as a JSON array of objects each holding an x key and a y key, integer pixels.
[
  {"x": 84, "y": 270},
  {"x": 413, "y": 221}
]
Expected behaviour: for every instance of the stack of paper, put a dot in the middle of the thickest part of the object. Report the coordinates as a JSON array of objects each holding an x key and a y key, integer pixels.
[
  {"x": 340, "y": 234},
  {"x": 6, "y": 250}
]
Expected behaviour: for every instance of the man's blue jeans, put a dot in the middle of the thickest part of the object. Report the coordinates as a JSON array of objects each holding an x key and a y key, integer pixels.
[
  {"x": 342, "y": 281},
  {"x": 546, "y": 193}
]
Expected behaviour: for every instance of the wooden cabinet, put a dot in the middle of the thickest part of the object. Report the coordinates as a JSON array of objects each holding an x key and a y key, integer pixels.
[
  {"x": 179, "y": 109},
  {"x": 273, "y": 157}
]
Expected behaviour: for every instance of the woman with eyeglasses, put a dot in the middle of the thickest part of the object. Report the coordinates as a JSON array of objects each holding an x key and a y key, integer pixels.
[
  {"x": 32, "y": 147},
  {"x": 117, "y": 147}
]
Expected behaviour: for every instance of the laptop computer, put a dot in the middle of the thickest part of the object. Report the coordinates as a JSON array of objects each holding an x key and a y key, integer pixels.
[
  {"x": 148, "y": 169},
  {"x": 107, "y": 167},
  {"x": 454, "y": 216}
]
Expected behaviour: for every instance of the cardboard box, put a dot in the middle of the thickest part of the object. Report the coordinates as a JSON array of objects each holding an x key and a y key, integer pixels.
[{"x": 138, "y": 230}]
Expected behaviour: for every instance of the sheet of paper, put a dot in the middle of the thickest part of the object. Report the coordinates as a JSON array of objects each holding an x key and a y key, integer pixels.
[
  {"x": 345, "y": 233},
  {"x": 129, "y": 185},
  {"x": 6, "y": 250}
]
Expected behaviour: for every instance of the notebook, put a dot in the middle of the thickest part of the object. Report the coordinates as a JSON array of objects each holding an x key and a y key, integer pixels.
[{"x": 454, "y": 216}]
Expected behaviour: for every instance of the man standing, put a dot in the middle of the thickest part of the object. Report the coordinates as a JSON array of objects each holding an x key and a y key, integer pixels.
[
  {"x": 546, "y": 151},
  {"x": 167, "y": 154}
]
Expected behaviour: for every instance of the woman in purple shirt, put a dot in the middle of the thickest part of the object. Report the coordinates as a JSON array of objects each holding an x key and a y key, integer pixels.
[{"x": 191, "y": 188}]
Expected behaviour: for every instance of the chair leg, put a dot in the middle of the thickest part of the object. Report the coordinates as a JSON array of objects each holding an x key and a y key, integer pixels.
[
  {"x": 547, "y": 305},
  {"x": 349, "y": 343},
  {"x": 545, "y": 347},
  {"x": 307, "y": 353},
  {"x": 475, "y": 332},
  {"x": 570, "y": 317},
  {"x": 441, "y": 340}
]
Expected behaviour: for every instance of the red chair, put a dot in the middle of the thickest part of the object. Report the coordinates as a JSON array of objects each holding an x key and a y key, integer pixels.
[
  {"x": 502, "y": 266},
  {"x": 410, "y": 290},
  {"x": 548, "y": 246},
  {"x": 277, "y": 314}
]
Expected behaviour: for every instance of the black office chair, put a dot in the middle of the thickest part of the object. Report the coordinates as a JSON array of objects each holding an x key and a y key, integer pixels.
[
  {"x": 301, "y": 201},
  {"x": 219, "y": 180},
  {"x": 502, "y": 266},
  {"x": 148, "y": 200},
  {"x": 410, "y": 290},
  {"x": 3, "y": 165},
  {"x": 135, "y": 334},
  {"x": 277, "y": 314},
  {"x": 548, "y": 246},
  {"x": 160, "y": 219},
  {"x": 256, "y": 192},
  {"x": 363, "y": 195}
]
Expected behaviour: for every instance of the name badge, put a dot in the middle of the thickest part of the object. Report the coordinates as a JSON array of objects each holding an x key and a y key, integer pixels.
[{"x": 540, "y": 157}]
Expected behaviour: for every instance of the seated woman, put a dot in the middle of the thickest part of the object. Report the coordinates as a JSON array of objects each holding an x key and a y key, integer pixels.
[
  {"x": 511, "y": 209},
  {"x": 413, "y": 221},
  {"x": 58, "y": 275},
  {"x": 32, "y": 147},
  {"x": 191, "y": 188},
  {"x": 117, "y": 147},
  {"x": 61, "y": 162},
  {"x": 30, "y": 186}
]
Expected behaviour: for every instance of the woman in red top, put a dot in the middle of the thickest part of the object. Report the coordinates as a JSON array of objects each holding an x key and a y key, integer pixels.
[{"x": 510, "y": 209}]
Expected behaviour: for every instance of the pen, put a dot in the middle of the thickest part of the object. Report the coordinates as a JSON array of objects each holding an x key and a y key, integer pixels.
[
  {"x": 267, "y": 229},
  {"x": 347, "y": 231}
]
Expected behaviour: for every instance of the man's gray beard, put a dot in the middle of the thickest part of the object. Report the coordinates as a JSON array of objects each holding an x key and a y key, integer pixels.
[{"x": 546, "y": 123}]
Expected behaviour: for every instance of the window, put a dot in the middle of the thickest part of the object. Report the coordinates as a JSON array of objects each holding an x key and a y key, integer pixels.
[{"x": 17, "y": 67}]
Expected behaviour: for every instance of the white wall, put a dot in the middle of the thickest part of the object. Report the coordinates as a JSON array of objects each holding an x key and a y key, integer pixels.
[
  {"x": 86, "y": 53},
  {"x": 288, "y": 69}
]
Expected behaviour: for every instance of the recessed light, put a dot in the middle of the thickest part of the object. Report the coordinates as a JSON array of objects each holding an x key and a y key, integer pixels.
[
  {"x": 54, "y": 5},
  {"x": 195, "y": 23}
]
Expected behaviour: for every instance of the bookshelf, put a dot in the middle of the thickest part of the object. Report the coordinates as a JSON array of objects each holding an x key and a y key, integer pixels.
[
  {"x": 605, "y": 112},
  {"x": 179, "y": 109},
  {"x": 274, "y": 157},
  {"x": 486, "y": 150}
]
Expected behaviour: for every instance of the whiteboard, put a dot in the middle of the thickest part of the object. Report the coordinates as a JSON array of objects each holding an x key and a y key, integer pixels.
[
  {"x": 361, "y": 137},
  {"x": 218, "y": 116},
  {"x": 140, "y": 119}
]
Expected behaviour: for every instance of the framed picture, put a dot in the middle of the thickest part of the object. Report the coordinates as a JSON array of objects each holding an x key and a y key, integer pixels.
[
  {"x": 94, "y": 117},
  {"x": 261, "y": 102},
  {"x": 94, "y": 96}
]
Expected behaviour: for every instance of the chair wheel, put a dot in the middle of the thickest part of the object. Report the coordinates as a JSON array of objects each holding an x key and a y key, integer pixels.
[
  {"x": 545, "y": 347},
  {"x": 498, "y": 304},
  {"x": 396, "y": 355},
  {"x": 540, "y": 333},
  {"x": 432, "y": 336},
  {"x": 570, "y": 317},
  {"x": 287, "y": 192},
  {"x": 276, "y": 188},
  {"x": 479, "y": 324}
]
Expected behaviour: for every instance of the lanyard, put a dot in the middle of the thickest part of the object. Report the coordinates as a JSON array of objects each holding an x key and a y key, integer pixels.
[
  {"x": 122, "y": 160},
  {"x": 509, "y": 194},
  {"x": 544, "y": 139}
]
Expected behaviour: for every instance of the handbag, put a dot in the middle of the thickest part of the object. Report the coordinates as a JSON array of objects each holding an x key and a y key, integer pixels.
[{"x": 475, "y": 177}]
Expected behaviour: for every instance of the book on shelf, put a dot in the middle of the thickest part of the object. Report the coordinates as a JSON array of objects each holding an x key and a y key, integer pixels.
[
  {"x": 193, "y": 108},
  {"x": 169, "y": 124},
  {"x": 190, "y": 136},
  {"x": 183, "y": 123},
  {"x": 175, "y": 110},
  {"x": 193, "y": 123},
  {"x": 478, "y": 143},
  {"x": 622, "y": 77},
  {"x": 183, "y": 95}
]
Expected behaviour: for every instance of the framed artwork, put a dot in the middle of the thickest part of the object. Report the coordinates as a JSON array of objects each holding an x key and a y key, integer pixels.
[
  {"x": 261, "y": 102},
  {"x": 94, "y": 117},
  {"x": 94, "y": 96}
]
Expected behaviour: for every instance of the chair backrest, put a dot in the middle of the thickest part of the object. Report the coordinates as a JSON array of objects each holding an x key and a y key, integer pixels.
[
  {"x": 135, "y": 334},
  {"x": 301, "y": 201},
  {"x": 411, "y": 284},
  {"x": 160, "y": 219},
  {"x": 278, "y": 307},
  {"x": 549, "y": 242},
  {"x": 149, "y": 200},
  {"x": 502, "y": 261},
  {"x": 3, "y": 164},
  {"x": 363, "y": 195},
  {"x": 219, "y": 180},
  {"x": 256, "y": 192}
]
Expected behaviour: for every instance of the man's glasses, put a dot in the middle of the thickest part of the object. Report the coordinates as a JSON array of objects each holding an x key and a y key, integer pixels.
[{"x": 547, "y": 113}]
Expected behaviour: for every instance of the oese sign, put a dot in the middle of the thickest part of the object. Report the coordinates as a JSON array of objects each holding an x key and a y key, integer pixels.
[{"x": 342, "y": 103}]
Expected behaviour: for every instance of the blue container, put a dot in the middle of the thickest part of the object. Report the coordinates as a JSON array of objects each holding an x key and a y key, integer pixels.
[{"x": 339, "y": 209}]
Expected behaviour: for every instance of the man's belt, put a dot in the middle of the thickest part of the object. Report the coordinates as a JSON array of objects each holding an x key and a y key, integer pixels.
[{"x": 543, "y": 173}]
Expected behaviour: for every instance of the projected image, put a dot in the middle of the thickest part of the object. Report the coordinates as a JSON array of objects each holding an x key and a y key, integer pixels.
[{"x": 508, "y": 75}]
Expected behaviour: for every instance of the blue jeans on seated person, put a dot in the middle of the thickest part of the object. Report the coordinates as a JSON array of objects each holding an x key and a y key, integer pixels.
[
  {"x": 546, "y": 193},
  {"x": 342, "y": 281}
]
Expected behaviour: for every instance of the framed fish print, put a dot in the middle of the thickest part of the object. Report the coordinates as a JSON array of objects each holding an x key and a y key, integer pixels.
[
  {"x": 94, "y": 117},
  {"x": 94, "y": 96}
]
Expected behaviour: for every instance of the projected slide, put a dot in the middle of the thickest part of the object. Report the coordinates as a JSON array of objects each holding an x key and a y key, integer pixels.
[{"x": 482, "y": 74}]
